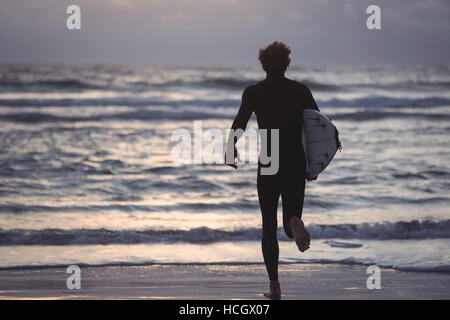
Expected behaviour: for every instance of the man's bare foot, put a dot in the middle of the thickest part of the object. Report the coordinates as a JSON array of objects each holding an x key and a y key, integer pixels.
[
  {"x": 275, "y": 291},
  {"x": 301, "y": 235}
]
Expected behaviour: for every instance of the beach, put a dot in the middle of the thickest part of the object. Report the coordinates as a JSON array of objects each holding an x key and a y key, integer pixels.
[
  {"x": 117, "y": 122},
  {"x": 88, "y": 178},
  {"x": 222, "y": 282}
]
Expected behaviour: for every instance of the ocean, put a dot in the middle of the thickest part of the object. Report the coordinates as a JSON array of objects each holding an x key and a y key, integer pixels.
[{"x": 87, "y": 178}]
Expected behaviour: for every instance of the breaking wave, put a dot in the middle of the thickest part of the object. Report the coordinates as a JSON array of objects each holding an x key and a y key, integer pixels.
[
  {"x": 379, "y": 231},
  {"x": 366, "y": 102}
]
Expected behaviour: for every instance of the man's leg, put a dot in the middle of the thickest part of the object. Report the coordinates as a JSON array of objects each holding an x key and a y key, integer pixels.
[
  {"x": 269, "y": 194},
  {"x": 292, "y": 195}
]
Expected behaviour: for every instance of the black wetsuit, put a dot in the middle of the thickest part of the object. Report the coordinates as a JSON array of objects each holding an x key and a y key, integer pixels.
[{"x": 278, "y": 103}]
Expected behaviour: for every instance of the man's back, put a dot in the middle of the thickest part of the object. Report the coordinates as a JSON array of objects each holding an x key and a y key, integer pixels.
[{"x": 278, "y": 103}]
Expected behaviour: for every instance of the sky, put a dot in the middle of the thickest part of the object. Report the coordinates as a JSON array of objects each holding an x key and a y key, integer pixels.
[{"x": 225, "y": 32}]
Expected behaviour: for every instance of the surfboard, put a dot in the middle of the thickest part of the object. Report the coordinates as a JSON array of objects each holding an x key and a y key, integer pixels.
[{"x": 320, "y": 140}]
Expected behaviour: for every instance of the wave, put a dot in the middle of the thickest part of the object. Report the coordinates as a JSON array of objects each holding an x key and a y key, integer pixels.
[
  {"x": 379, "y": 115},
  {"x": 103, "y": 236},
  {"x": 378, "y": 231},
  {"x": 365, "y": 102},
  {"x": 36, "y": 117},
  {"x": 415, "y": 229},
  {"x": 53, "y": 84},
  {"x": 139, "y": 85},
  {"x": 224, "y": 83},
  {"x": 242, "y": 204},
  {"x": 120, "y": 101},
  {"x": 340, "y": 244},
  {"x": 445, "y": 268},
  {"x": 410, "y": 85},
  {"x": 383, "y": 101},
  {"x": 179, "y": 115},
  {"x": 71, "y": 84},
  {"x": 409, "y": 175},
  {"x": 233, "y": 83}
]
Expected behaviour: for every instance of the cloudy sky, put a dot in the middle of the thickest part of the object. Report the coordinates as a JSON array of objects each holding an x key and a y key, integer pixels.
[{"x": 223, "y": 32}]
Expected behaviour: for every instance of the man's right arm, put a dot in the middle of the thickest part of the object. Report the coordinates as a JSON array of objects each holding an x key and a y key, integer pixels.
[{"x": 238, "y": 127}]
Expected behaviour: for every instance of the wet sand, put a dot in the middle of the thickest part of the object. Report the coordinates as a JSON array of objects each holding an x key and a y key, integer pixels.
[{"x": 298, "y": 281}]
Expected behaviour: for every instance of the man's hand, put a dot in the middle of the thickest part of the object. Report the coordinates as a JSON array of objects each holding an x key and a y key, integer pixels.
[
  {"x": 311, "y": 178},
  {"x": 236, "y": 157}
]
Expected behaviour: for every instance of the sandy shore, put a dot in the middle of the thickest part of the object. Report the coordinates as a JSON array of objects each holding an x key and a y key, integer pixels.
[{"x": 298, "y": 281}]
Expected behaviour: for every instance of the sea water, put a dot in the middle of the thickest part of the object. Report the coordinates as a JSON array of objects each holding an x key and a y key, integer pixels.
[{"x": 86, "y": 174}]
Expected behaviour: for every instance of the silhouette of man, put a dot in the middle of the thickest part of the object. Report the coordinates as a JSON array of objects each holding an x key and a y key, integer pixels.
[{"x": 278, "y": 103}]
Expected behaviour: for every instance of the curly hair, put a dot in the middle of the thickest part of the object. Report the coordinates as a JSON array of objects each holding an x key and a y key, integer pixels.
[{"x": 274, "y": 57}]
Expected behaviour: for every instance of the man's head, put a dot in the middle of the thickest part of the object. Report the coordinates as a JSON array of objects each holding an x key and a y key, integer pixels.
[{"x": 274, "y": 57}]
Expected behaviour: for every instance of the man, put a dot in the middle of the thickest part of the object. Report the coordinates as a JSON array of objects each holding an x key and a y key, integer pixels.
[{"x": 278, "y": 103}]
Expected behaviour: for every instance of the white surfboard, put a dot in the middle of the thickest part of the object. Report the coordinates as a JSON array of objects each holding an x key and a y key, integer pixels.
[{"x": 320, "y": 140}]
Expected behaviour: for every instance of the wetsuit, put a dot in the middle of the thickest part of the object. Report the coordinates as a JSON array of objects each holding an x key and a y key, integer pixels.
[{"x": 278, "y": 103}]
